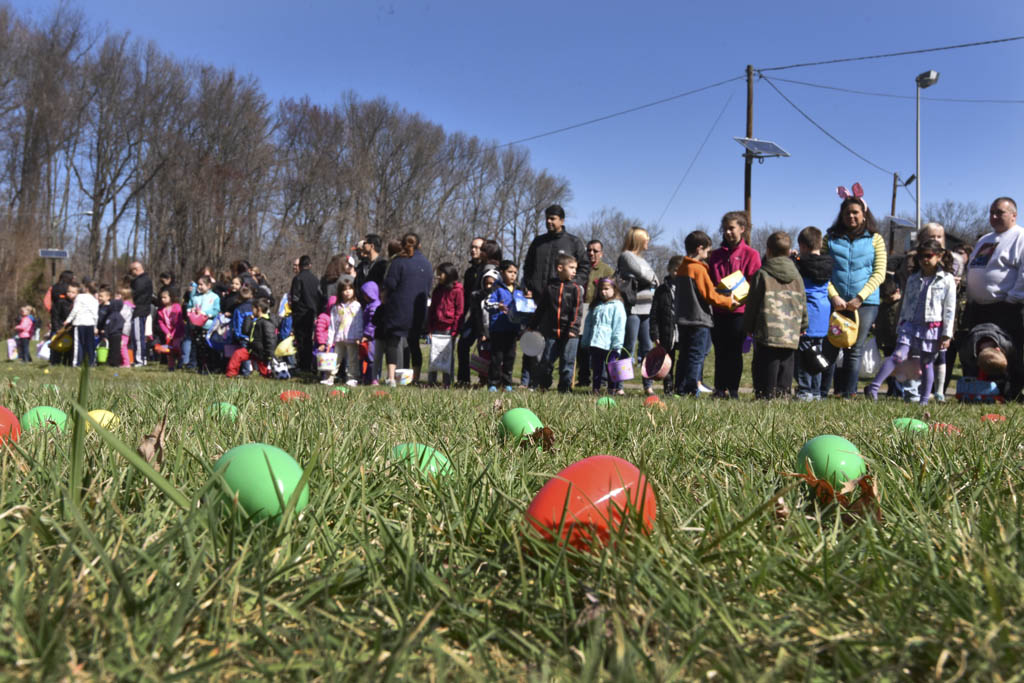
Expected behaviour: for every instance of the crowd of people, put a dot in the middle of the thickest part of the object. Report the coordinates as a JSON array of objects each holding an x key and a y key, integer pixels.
[{"x": 363, "y": 320}]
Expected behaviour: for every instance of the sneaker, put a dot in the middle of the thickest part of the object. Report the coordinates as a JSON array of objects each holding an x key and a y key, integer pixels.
[
  {"x": 352, "y": 383},
  {"x": 391, "y": 383},
  {"x": 375, "y": 383},
  {"x": 508, "y": 387},
  {"x": 941, "y": 398},
  {"x": 327, "y": 381},
  {"x": 492, "y": 388},
  {"x": 871, "y": 392},
  {"x": 701, "y": 389}
]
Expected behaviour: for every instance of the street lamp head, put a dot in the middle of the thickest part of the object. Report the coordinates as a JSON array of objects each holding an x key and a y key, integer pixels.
[{"x": 928, "y": 78}]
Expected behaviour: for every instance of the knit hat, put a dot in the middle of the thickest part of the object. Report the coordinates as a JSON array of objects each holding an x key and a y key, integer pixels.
[{"x": 490, "y": 271}]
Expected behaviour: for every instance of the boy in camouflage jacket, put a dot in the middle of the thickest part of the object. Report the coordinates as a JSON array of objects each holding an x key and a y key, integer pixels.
[{"x": 775, "y": 316}]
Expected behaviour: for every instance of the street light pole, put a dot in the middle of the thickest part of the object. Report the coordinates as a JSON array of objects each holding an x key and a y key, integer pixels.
[{"x": 924, "y": 80}]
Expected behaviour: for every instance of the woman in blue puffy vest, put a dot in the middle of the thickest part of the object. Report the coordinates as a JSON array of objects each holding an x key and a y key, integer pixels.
[{"x": 858, "y": 256}]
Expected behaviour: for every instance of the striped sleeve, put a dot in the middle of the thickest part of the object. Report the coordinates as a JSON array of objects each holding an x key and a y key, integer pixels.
[{"x": 877, "y": 271}]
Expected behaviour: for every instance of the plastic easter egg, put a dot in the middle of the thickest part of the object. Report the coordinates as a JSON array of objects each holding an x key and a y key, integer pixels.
[
  {"x": 909, "y": 425},
  {"x": 294, "y": 395},
  {"x": 832, "y": 458},
  {"x": 104, "y": 418},
  {"x": 429, "y": 460},
  {"x": 245, "y": 469},
  {"x": 651, "y": 400},
  {"x": 44, "y": 417},
  {"x": 944, "y": 428},
  {"x": 606, "y": 402},
  {"x": 993, "y": 417},
  {"x": 381, "y": 393},
  {"x": 340, "y": 391},
  {"x": 225, "y": 410},
  {"x": 591, "y": 499},
  {"x": 10, "y": 428},
  {"x": 519, "y": 423},
  {"x": 46, "y": 371}
]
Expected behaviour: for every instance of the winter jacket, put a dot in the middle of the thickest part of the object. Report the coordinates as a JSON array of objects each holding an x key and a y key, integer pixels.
[
  {"x": 142, "y": 295},
  {"x": 60, "y": 306},
  {"x": 634, "y": 266},
  {"x": 727, "y": 260},
  {"x": 499, "y": 321},
  {"x": 969, "y": 346},
  {"x": 605, "y": 327},
  {"x": 25, "y": 327},
  {"x": 939, "y": 302},
  {"x": 888, "y": 320},
  {"x": 323, "y": 335},
  {"x": 111, "y": 321},
  {"x": 695, "y": 294},
  {"x": 663, "y": 313},
  {"x": 558, "y": 310},
  {"x": 776, "y": 312},
  {"x": 405, "y": 291},
  {"x": 263, "y": 341},
  {"x": 304, "y": 295},
  {"x": 858, "y": 264},
  {"x": 85, "y": 312},
  {"x": 172, "y": 324},
  {"x": 816, "y": 271},
  {"x": 242, "y": 312},
  {"x": 370, "y": 301},
  {"x": 208, "y": 304},
  {"x": 479, "y": 317},
  {"x": 541, "y": 261},
  {"x": 598, "y": 272},
  {"x": 346, "y": 323},
  {"x": 446, "y": 307}
]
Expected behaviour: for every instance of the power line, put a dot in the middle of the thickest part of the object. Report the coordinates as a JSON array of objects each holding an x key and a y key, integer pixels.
[
  {"x": 694, "y": 160},
  {"x": 822, "y": 129},
  {"x": 899, "y": 97},
  {"x": 619, "y": 113},
  {"x": 895, "y": 54}
]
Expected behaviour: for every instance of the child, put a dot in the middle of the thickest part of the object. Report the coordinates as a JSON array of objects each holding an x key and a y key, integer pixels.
[
  {"x": 84, "y": 315},
  {"x": 816, "y": 270},
  {"x": 24, "y": 329},
  {"x": 204, "y": 303},
  {"x": 110, "y": 324},
  {"x": 479, "y": 316},
  {"x": 369, "y": 299},
  {"x": 776, "y": 316},
  {"x": 127, "y": 312},
  {"x": 347, "y": 329},
  {"x": 604, "y": 332},
  {"x": 445, "y": 314},
  {"x": 663, "y": 315},
  {"x": 502, "y": 327},
  {"x": 172, "y": 324},
  {"x": 695, "y": 295},
  {"x": 926, "y": 319},
  {"x": 260, "y": 346},
  {"x": 558, "y": 319}
]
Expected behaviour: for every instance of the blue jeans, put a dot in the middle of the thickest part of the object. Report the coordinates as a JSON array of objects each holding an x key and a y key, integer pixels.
[
  {"x": 693, "y": 345},
  {"x": 850, "y": 372},
  {"x": 638, "y": 327},
  {"x": 564, "y": 351}
]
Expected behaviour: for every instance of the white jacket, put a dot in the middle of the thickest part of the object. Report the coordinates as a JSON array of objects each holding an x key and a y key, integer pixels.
[
  {"x": 346, "y": 322},
  {"x": 85, "y": 312},
  {"x": 939, "y": 304}
]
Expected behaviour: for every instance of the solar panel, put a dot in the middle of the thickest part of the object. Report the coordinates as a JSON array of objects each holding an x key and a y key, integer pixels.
[
  {"x": 761, "y": 148},
  {"x": 53, "y": 253}
]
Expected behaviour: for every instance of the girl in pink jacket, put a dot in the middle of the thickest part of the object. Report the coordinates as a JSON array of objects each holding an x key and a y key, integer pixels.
[
  {"x": 172, "y": 324},
  {"x": 23, "y": 331}
]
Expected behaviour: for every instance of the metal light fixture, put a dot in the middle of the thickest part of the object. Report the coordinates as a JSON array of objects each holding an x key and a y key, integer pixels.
[{"x": 923, "y": 80}]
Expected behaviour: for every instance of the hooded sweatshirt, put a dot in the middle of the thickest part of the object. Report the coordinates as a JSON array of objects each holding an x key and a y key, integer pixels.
[
  {"x": 776, "y": 310},
  {"x": 816, "y": 271},
  {"x": 371, "y": 301}
]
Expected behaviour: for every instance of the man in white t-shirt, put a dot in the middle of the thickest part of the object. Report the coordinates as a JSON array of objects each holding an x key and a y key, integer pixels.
[{"x": 995, "y": 281}]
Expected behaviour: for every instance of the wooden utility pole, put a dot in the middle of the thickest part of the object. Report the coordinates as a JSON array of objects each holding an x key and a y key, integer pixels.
[
  {"x": 748, "y": 157},
  {"x": 895, "y": 186}
]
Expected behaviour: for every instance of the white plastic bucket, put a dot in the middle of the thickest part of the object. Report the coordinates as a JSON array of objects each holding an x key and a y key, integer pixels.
[
  {"x": 403, "y": 376},
  {"x": 532, "y": 343},
  {"x": 327, "y": 362}
]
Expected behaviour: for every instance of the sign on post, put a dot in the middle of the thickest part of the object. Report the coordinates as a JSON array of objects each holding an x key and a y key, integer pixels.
[{"x": 61, "y": 254}]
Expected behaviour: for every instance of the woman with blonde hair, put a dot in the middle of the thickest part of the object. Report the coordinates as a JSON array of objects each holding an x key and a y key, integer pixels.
[{"x": 634, "y": 271}]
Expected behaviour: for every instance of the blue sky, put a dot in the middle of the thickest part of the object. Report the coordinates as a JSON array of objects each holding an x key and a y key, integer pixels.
[{"x": 504, "y": 71}]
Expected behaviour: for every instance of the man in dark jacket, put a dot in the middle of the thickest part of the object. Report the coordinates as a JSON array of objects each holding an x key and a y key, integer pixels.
[
  {"x": 372, "y": 265},
  {"x": 60, "y": 307},
  {"x": 542, "y": 256},
  {"x": 142, "y": 297},
  {"x": 304, "y": 297}
]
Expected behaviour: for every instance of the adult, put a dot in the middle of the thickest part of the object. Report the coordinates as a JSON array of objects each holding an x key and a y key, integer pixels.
[
  {"x": 727, "y": 336},
  {"x": 542, "y": 256},
  {"x": 336, "y": 267},
  {"x": 372, "y": 264},
  {"x": 858, "y": 269},
  {"x": 995, "y": 285},
  {"x": 403, "y": 313},
  {"x": 467, "y": 333},
  {"x": 634, "y": 270},
  {"x": 60, "y": 307},
  {"x": 304, "y": 297},
  {"x": 491, "y": 253},
  {"x": 142, "y": 297},
  {"x": 598, "y": 269}
]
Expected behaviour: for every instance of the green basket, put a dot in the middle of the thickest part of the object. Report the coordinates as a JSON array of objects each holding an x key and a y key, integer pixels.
[{"x": 101, "y": 354}]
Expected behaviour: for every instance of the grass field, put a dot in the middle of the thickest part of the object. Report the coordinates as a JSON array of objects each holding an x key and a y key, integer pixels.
[{"x": 390, "y": 575}]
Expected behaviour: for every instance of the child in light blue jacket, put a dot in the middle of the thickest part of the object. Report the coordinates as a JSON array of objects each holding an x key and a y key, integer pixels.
[{"x": 604, "y": 331}]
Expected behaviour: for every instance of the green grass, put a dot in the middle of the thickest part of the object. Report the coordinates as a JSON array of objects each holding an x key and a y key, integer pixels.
[{"x": 389, "y": 575}]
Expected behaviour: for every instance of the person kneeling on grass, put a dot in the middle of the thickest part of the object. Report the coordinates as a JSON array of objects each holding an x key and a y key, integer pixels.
[{"x": 261, "y": 344}]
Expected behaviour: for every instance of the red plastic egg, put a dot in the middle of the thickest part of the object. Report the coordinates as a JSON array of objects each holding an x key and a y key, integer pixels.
[
  {"x": 945, "y": 428},
  {"x": 592, "y": 498},
  {"x": 10, "y": 428},
  {"x": 993, "y": 417},
  {"x": 651, "y": 400},
  {"x": 294, "y": 395}
]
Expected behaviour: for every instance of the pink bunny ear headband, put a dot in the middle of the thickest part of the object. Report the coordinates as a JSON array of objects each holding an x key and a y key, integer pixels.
[{"x": 855, "y": 191}]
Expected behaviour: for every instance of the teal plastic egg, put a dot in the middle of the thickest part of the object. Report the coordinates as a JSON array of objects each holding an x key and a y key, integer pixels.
[
  {"x": 832, "y": 458},
  {"x": 246, "y": 472}
]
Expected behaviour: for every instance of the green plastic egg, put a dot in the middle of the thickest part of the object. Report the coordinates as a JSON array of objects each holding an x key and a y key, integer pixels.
[
  {"x": 518, "y": 423},
  {"x": 606, "y": 402},
  {"x": 225, "y": 410},
  {"x": 909, "y": 425},
  {"x": 429, "y": 460},
  {"x": 44, "y": 417},
  {"x": 833, "y": 459},
  {"x": 245, "y": 469}
]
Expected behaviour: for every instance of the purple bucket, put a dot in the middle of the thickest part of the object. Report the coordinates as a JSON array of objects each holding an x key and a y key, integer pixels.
[{"x": 620, "y": 369}]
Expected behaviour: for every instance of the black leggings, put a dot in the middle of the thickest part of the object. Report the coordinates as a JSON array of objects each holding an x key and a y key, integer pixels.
[{"x": 727, "y": 337}]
